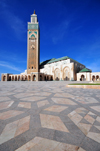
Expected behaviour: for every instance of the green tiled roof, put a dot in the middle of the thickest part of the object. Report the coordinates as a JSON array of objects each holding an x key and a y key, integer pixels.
[
  {"x": 85, "y": 70},
  {"x": 56, "y": 60},
  {"x": 59, "y": 59},
  {"x": 46, "y": 61}
]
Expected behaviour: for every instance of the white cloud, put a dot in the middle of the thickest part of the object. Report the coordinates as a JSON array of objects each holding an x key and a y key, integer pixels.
[{"x": 7, "y": 65}]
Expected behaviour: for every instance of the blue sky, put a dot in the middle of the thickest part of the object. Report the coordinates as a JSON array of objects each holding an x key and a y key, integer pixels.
[{"x": 67, "y": 28}]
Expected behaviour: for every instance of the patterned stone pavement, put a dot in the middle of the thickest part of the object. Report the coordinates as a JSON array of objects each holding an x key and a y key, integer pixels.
[{"x": 48, "y": 116}]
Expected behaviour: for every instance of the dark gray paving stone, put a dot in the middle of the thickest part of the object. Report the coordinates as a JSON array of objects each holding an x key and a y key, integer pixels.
[
  {"x": 94, "y": 129},
  {"x": 74, "y": 130},
  {"x": 67, "y": 138},
  {"x": 35, "y": 121},
  {"x": 46, "y": 133},
  {"x": 4, "y": 147},
  {"x": 82, "y": 114},
  {"x": 84, "y": 121},
  {"x": 90, "y": 145},
  {"x": 96, "y": 123}
]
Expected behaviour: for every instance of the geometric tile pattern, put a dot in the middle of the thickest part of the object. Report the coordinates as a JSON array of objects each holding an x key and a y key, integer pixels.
[
  {"x": 42, "y": 144},
  {"x": 84, "y": 127},
  {"x": 52, "y": 122},
  {"x": 86, "y": 100},
  {"x": 48, "y": 116},
  {"x": 14, "y": 129}
]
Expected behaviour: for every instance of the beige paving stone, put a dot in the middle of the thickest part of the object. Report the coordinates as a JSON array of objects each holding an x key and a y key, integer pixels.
[
  {"x": 21, "y": 129},
  {"x": 24, "y": 105},
  {"x": 23, "y": 120},
  {"x": 63, "y": 101},
  {"x": 7, "y": 93},
  {"x": 67, "y": 95},
  {"x": 84, "y": 127},
  {"x": 96, "y": 108},
  {"x": 43, "y": 144},
  {"x": 9, "y": 114},
  {"x": 34, "y": 98},
  {"x": 30, "y": 144},
  {"x": 98, "y": 127},
  {"x": 42, "y": 93},
  {"x": 58, "y": 95},
  {"x": 90, "y": 100},
  {"x": 22, "y": 95},
  {"x": 7, "y": 136},
  {"x": 94, "y": 136},
  {"x": 89, "y": 119},
  {"x": 14, "y": 129},
  {"x": 52, "y": 122},
  {"x": 86, "y": 100},
  {"x": 98, "y": 118},
  {"x": 80, "y": 110},
  {"x": 71, "y": 114},
  {"x": 4, "y": 99},
  {"x": 56, "y": 108},
  {"x": 76, "y": 118},
  {"x": 91, "y": 113},
  {"x": 5, "y": 105},
  {"x": 66, "y": 147},
  {"x": 42, "y": 103}
]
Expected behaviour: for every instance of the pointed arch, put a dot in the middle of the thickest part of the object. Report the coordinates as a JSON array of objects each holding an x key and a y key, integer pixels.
[{"x": 66, "y": 73}]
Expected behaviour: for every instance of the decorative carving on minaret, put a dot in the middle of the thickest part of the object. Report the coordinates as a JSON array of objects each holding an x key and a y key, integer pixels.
[{"x": 33, "y": 45}]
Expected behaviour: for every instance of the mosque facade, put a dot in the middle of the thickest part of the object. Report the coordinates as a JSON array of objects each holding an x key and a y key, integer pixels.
[{"x": 64, "y": 68}]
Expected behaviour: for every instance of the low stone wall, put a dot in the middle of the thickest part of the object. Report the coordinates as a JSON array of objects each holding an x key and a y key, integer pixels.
[{"x": 84, "y": 86}]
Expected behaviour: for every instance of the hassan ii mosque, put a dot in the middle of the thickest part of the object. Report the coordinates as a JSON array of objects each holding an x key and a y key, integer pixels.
[{"x": 64, "y": 68}]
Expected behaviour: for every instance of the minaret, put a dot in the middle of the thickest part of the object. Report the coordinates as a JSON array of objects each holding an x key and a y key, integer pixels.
[{"x": 33, "y": 45}]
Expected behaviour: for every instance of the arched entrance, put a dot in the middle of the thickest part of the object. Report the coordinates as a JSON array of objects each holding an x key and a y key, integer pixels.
[
  {"x": 93, "y": 78},
  {"x": 82, "y": 77},
  {"x": 22, "y": 78},
  {"x": 57, "y": 74},
  {"x": 12, "y": 78},
  {"x": 45, "y": 78},
  {"x": 9, "y": 78},
  {"x": 66, "y": 74},
  {"x": 97, "y": 78},
  {"x": 40, "y": 77},
  {"x": 15, "y": 78},
  {"x": 51, "y": 78},
  {"x": 34, "y": 78},
  {"x": 4, "y": 78},
  {"x": 25, "y": 78},
  {"x": 18, "y": 78},
  {"x": 29, "y": 78}
]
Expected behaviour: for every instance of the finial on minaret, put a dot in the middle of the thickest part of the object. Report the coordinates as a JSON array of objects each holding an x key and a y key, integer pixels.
[{"x": 34, "y": 11}]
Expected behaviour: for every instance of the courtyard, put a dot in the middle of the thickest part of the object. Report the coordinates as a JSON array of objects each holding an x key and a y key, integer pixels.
[{"x": 48, "y": 116}]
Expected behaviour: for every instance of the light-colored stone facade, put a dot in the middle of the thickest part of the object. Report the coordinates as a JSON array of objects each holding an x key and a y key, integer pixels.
[
  {"x": 63, "y": 68},
  {"x": 88, "y": 76}
]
